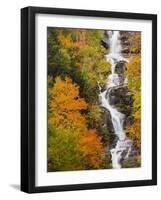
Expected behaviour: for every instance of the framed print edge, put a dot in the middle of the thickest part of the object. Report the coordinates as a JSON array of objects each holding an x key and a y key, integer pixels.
[
  {"x": 154, "y": 99},
  {"x": 28, "y": 99}
]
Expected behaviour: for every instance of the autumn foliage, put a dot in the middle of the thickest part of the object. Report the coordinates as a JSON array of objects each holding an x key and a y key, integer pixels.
[
  {"x": 77, "y": 135},
  {"x": 75, "y": 63},
  {"x": 134, "y": 84},
  {"x": 71, "y": 145},
  {"x": 91, "y": 149},
  {"x": 65, "y": 105}
]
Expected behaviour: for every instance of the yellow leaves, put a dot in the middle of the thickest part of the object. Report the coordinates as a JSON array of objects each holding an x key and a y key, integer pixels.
[
  {"x": 94, "y": 113},
  {"x": 138, "y": 158},
  {"x": 134, "y": 66},
  {"x": 91, "y": 148},
  {"x": 77, "y": 53},
  {"x": 65, "y": 96},
  {"x": 65, "y": 41},
  {"x": 137, "y": 105},
  {"x": 82, "y": 39},
  {"x": 135, "y": 133},
  {"x": 135, "y": 42},
  {"x": 134, "y": 84},
  {"x": 103, "y": 66},
  {"x": 134, "y": 72},
  {"x": 66, "y": 104},
  {"x": 66, "y": 117},
  {"x": 63, "y": 150}
]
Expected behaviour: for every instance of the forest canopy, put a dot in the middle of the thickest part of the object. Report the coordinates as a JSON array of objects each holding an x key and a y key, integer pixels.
[
  {"x": 79, "y": 132},
  {"x": 75, "y": 64}
]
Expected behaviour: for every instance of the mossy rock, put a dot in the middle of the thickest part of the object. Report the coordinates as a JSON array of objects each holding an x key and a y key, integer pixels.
[{"x": 131, "y": 162}]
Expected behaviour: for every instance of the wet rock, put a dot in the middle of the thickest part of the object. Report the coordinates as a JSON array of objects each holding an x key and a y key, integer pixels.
[
  {"x": 122, "y": 99},
  {"x": 113, "y": 141},
  {"x": 120, "y": 67},
  {"x": 113, "y": 99},
  {"x": 118, "y": 90},
  {"x": 126, "y": 110},
  {"x": 123, "y": 37},
  {"x": 128, "y": 120},
  {"x": 105, "y": 43},
  {"x": 108, "y": 121},
  {"x": 128, "y": 98},
  {"x": 120, "y": 95},
  {"x": 125, "y": 43},
  {"x": 121, "y": 79},
  {"x": 125, "y": 50}
]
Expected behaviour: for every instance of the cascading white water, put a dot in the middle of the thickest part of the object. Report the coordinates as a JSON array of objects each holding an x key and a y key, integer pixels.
[{"x": 113, "y": 80}]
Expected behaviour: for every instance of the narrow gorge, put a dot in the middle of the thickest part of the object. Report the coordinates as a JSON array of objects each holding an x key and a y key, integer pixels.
[{"x": 116, "y": 93}]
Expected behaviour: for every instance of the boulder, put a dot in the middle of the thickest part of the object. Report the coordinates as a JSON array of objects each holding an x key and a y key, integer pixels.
[
  {"x": 120, "y": 95},
  {"x": 105, "y": 43},
  {"x": 122, "y": 99},
  {"x": 120, "y": 67},
  {"x": 106, "y": 116},
  {"x": 125, "y": 50}
]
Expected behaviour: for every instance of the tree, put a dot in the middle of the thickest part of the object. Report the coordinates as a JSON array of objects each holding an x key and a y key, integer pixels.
[
  {"x": 77, "y": 53},
  {"x": 91, "y": 149},
  {"x": 71, "y": 145},
  {"x": 76, "y": 63},
  {"x": 134, "y": 84},
  {"x": 65, "y": 105},
  {"x": 63, "y": 150}
]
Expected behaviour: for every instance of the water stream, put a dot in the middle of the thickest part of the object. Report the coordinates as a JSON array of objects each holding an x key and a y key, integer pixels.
[{"x": 123, "y": 145}]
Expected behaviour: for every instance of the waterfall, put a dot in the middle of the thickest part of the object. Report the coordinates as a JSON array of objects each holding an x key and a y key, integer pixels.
[{"x": 123, "y": 143}]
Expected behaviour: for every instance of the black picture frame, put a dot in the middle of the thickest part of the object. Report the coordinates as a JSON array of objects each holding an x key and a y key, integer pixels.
[{"x": 28, "y": 98}]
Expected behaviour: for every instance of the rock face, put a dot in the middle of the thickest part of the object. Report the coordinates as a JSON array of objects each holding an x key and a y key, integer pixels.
[
  {"x": 122, "y": 99},
  {"x": 105, "y": 43},
  {"x": 119, "y": 96},
  {"x": 117, "y": 112},
  {"x": 120, "y": 67},
  {"x": 107, "y": 120},
  {"x": 107, "y": 126},
  {"x": 124, "y": 37}
]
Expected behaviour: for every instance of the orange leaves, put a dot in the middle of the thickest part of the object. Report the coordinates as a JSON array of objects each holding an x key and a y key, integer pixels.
[
  {"x": 76, "y": 53},
  {"x": 91, "y": 148},
  {"x": 65, "y": 41},
  {"x": 68, "y": 42},
  {"x": 65, "y": 95},
  {"x": 65, "y": 116},
  {"x": 66, "y": 104}
]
